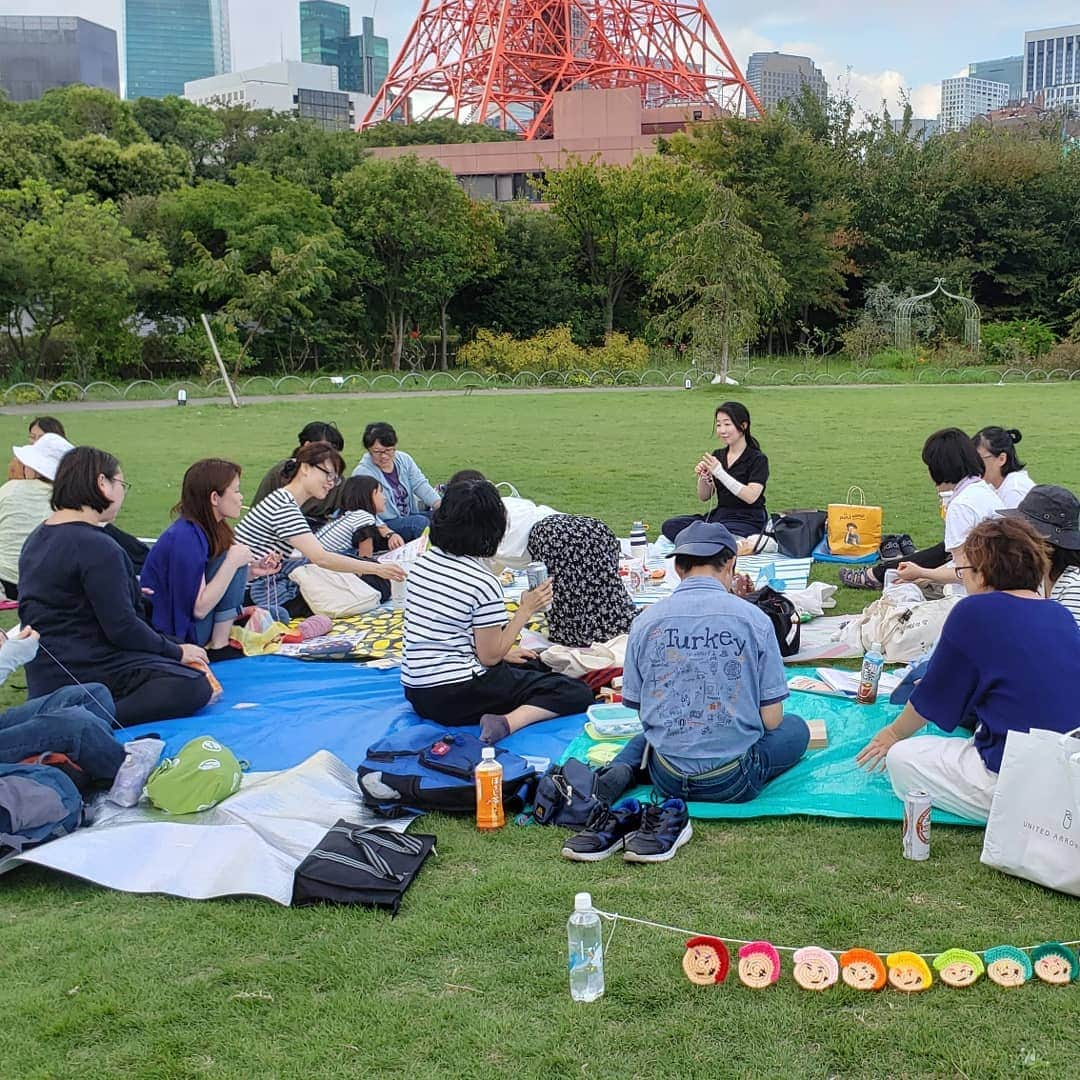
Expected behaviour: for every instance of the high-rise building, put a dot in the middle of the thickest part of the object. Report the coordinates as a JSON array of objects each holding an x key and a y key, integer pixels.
[
  {"x": 964, "y": 98},
  {"x": 38, "y": 53},
  {"x": 171, "y": 42},
  {"x": 362, "y": 60},
  {"x": 1052, "y": 66},
  {"x": 309, "y": 91},
  {"x": 323, "y": 27},
  {"x": 919, "y": 129},
  {"x": 776, "y": 77},
  {"x": 1007, "y": 69}
]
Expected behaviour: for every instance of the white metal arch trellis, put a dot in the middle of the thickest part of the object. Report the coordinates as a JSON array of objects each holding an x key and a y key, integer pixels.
[{"x": 906, "y": 308}]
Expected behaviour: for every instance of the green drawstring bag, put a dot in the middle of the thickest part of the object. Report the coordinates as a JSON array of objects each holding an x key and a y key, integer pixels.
[{"x": 199, "y": 777}]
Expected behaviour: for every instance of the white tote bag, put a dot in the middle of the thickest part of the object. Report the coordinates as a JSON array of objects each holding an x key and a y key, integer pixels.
[
  {"x": 333, "y": 593},
  {"x": 1034, "y": 826}
]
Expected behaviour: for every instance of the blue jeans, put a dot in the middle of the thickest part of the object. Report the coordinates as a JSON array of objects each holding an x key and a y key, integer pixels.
[
  {"x": 74, "y": 720},
  {"x": 737, "y": 781},
  {"x": 228, "y": 607},
  {"x": 410, "y": 526},
  {"x": 274, "y": 591}
]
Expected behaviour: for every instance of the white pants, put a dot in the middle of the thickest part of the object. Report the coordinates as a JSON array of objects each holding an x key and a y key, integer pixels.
[{"x": 950, "y": 771}]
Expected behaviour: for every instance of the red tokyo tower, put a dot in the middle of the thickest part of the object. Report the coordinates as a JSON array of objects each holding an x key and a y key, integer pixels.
[{"x": 501, "y": 61}]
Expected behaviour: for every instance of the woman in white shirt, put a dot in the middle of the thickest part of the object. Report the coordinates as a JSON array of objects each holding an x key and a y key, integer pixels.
[{"x": 1002, "y": 469}]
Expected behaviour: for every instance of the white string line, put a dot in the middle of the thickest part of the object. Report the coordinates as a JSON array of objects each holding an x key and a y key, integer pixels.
[
  {"x": 615, "y": 917},
  {"x": 108, "y": 712}
]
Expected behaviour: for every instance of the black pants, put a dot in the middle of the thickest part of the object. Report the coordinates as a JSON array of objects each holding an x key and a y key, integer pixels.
[
  {"x": 929, "y": 559},
  {"x": 145, "y": 695},
  {"x": 136, "y": 550},
  {"x": 499, "y": 690},
  {"x": 741, "y": 526},
  {"x": 11, "y": 590}
]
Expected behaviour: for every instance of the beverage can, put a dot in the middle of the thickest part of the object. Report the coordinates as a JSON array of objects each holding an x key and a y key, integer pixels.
[
  {"x": 917, "y": 826},
  {"x": 536, "y": 573}
]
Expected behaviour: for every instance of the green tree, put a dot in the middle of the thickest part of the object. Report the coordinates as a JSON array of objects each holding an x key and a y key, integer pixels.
[
  {"x": 108, "y": 170},
  {"x": 437, "y": 131},
  {"x": 719, "y": 283},
  {"x": 621, "y": 217},
  {"x": 84, "y": 110},
  {"x": 408, "y": 227},
  {"x": 173, "y": 121},
  {"x": 306, "y": 155},
  {"x": 28, "y": 152},
  {"x": 69, "y": 276}
]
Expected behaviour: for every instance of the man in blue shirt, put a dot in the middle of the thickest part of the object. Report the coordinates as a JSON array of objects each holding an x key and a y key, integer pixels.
[{"x": 704, "y": 671}]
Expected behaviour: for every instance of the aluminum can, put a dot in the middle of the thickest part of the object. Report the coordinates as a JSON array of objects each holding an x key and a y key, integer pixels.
[
  {"x": 917, "y": 826},
  {"x": 536, "y": 573}
]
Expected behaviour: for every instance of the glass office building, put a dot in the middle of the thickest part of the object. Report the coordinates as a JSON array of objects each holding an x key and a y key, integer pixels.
[
  {"x": 323, "y": 27},
  {"x": 170, "y": 42},
  {"x": 38, "y": 53},
  {"x": 1052, "y": 66},
  {"x": 362, "y": 60}
]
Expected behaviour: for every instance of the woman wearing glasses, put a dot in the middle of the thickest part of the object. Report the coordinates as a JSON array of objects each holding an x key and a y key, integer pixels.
[
  {"x": 1006, "y": 661},
  {"x": 409, "y": 497},
  {"x": 277, "y": 525},
  {"x": 77, "y": 589}
]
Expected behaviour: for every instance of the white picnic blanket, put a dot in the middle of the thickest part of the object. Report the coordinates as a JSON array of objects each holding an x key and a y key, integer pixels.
[{"x": 248, "y": 845}]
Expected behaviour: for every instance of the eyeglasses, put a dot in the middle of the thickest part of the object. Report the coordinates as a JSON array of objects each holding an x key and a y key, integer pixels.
[
  {"x": 384, "y": 451},
  {"x": 960, "y": 571},
  {"x": 331, "y": 476},
  {"x": 123, "y": 483}
]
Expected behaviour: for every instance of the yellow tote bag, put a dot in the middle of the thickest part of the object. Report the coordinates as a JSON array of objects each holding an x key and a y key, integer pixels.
[{"x": 854, "y": 527}]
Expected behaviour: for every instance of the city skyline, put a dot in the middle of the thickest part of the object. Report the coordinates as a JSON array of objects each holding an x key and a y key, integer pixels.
[{"x": 872, "y": 51}]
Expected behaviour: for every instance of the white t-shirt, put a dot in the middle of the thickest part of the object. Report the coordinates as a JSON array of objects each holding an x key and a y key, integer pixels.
[
  {"x": 446, "y": 598},
  {"x": 1014, "y": 487},
  {"x": 337, "y": 535},
  {"x": 1066, "y": 591},
  {"x": 272, "y": 525},
  {"x": 521, "y": 516},
  {"x": 974, "y": 501},
  {"x": 24, "y": 505}
]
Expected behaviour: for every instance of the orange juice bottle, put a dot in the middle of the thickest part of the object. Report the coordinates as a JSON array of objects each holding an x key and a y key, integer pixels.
[{"x": 489, "y": 801}]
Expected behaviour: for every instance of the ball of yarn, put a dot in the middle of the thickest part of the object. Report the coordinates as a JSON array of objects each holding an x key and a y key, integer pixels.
[{"x": 315, "y": 626}]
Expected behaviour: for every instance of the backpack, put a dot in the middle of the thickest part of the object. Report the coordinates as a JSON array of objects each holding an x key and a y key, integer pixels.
[
  {"x": 783, "y": 616},
  {"x": 37, "y": 803},
  {"x": 797, "y": 532},
  {"x": 425, "y": 767}
]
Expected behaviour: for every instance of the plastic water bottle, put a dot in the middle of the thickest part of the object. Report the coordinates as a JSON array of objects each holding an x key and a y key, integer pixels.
[
  {"x": 489, "y": 801},
  {"x": 639, "y": 545},
  {"x": 586, "y": 950},
  {"x": 872, "y": 666}
]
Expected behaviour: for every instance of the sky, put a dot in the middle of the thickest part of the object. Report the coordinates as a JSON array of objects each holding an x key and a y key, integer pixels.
[{"x": 872, "y": 49}]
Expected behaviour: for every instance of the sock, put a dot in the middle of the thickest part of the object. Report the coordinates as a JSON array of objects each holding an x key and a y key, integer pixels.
[
  {"x": 493, "y": 728},
  {"x": 227, "y": 652}
]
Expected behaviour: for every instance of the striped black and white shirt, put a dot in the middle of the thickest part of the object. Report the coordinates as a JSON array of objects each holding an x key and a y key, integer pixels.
[
  {"x": 1066, "y": 591},
  {"x": 272, "y": 525},
  {"x": 337, "y": 535},
  {"x": 446, "y": 598}
]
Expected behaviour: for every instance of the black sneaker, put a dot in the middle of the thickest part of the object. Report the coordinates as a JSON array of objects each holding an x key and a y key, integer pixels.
[
  {"x": 907, "y": 546},
  {"x": 606, "y": 833},
  {"x": 664, "y": 829},
  {"x": 890, "y": 548}
]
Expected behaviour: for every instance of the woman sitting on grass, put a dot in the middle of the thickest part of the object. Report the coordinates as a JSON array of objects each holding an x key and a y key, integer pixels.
[
  {"x": 461, "y": 664},
  {"x": 1002, "y": 469},
  {"x": 40, "y": 425},
  {"x": 956, "y": 470},
  {"x": 1054, "y": 513},
  {"x": 196, "y": 573},
  {"x": 1007, "y": 661},
  {"x": 78, "y": 589},
  {"x": 355, "y": 530},
  {"x": 277, "y": 525},
  {"x": 590, "y": 603}
]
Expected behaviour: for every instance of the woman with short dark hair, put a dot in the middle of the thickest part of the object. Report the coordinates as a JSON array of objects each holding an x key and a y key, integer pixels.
[
  {"x": 956, "y": 470},
  {"x": 461, "y": 664},
  {"x": 78, "y": 589},
  {"x": 1002, "y": 468},
  {"x": 410, "y": 499},
  {"x": 1007, "y": 661}
]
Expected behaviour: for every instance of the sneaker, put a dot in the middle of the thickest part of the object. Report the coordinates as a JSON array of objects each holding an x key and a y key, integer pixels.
[
  {"x": 606, "y": 833},
  {"x": 664, "y": 829},
  {"x": 907, "y": 546},
  {"x": 890, "y": 548}
]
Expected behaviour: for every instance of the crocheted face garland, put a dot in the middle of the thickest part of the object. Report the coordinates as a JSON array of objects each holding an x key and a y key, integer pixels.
[
  {"x": 815, "y": 969},
  {"x": 1055, "y": 964},
  {"x": 759, "y": 965},
  {"x": 1007, "y": 966},
  {"x": 908, "y": 972},
  {"x": 958, "y": 968},
  {"x": 706, "y": 961},
  {"x": 862, "y": 969}
]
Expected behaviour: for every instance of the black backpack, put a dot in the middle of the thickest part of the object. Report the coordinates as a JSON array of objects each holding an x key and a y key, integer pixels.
[
  {"x": 783, "y": 616},
  {"x": 797, "y": 532}
]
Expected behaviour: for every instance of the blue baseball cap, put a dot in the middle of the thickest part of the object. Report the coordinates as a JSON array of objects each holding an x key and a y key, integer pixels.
[{"x": 703, "y": 539}]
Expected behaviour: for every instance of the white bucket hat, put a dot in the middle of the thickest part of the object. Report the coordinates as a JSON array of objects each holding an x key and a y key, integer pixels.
[{"x": 44, "y": 455}]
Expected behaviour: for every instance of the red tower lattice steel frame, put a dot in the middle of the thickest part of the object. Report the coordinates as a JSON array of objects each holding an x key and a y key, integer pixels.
[{"x": 501, "y": 61}]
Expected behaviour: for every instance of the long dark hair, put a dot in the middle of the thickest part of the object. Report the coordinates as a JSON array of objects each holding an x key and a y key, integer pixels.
[
  {"x": 739, "y": 415},
  {"x": 200, "y": 481},
  {"x": 1001, "y": 441},
  {"x": 48, "y": 425},
  {"x": 357, "y": 493}
]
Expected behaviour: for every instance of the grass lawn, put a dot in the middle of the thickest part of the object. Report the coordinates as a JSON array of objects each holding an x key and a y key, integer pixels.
[{"x": 470, "y": 979}]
